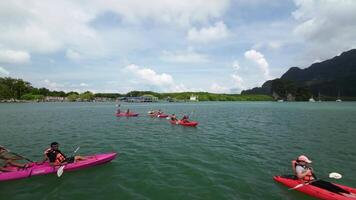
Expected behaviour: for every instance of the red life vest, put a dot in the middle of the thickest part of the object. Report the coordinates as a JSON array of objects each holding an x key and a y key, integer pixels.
[{"x": 308, "y": 177}]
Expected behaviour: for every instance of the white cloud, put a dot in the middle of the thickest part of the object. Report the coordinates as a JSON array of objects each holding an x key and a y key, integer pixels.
[
  {"x": 149, "y": 76},
  {"x": 260, "y": 60},
  {"x": 208, "y": 34},
  {"x": 4, "y": 72},
  {"x": 216, "y": 88},
  {"x": 51, "y": 85},
  {"x": 51, "y": 26},
  {"x": 83, "y": 84},
  {"x": 239, "y": 83},
  {"x": 236, "y": 65},
  {"x": 328, "y": 27},
  {"x": 73, "y": 55},
  {"x": 188, "y": 56},
  {"x": 177, "y": 12},
  {"x": 147, "y": 79},
  {"x": 15, "y": 57}
]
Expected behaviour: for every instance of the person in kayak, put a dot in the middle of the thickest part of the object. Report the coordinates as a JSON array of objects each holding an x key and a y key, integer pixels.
[
  {"x": 174, "y": 117},
  {"x": 185, "y": 119},
  {"x": 6, "y": 159},
  {"x": 303, "y": 171},
  {"x": 56, "y": 157},
  {"x": 128, "y": 111}
]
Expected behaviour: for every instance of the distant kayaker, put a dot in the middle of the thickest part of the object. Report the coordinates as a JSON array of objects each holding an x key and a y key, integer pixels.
[
  {"x": 174, "y": 117},
  {"x": 7, "y": 159},
  {"x": 302, "y": 168},
  {"x": 185, "y": 119},
  {"x": 56, "y": 157},
  {"x": 118, "y": 111},
  {"x": 128, "y": 111}
]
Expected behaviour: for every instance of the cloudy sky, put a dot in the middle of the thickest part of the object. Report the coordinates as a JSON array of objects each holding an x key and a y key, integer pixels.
[{"x": 221, "y": 46}]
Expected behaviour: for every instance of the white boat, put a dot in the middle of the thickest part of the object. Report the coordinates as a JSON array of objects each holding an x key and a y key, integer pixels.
[
  {"x": 281, "y": 100},
  {"x": 311, "y": 99},
  {"x": 338, "y": 97}
]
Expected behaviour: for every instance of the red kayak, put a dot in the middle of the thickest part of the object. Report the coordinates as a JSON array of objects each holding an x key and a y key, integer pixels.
[
  {"x": 313, "y": 190},
  {"x": 180, "y": 122},
  {"x": 124, "y": 114},
  {"x": 162, "y": 115}
]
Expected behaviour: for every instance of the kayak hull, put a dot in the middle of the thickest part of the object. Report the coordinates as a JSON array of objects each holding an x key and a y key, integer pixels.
[
  {"x": 179, "y": 122},
  {"x": 45, "y": 168},
  {"x": 126, "y": 114},
  {"x": 315, "y": 191},
  {"x": 158, "y": 116}
]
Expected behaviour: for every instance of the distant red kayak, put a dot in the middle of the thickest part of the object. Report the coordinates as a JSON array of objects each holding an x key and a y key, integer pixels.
[
  {"x": 180, "y": 122},
  {"x": 158, "y": 115},
  {"x": 124, "y": 114},
  {"x": 317, "y": 192}
]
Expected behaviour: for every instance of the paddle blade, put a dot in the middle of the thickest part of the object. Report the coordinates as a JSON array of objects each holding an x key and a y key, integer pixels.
[
  {"x": 335, "y": 175},
  {"x": 296, "y": 187},
  {"x": 60, "y": 171},
  {"x": 76, "y": 150}
]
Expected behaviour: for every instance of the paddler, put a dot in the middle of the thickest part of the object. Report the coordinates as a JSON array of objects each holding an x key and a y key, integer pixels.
[
  {"x": 7, "y": 159},
  {"x": 128, "y": 111},
  {"x": 56, "y": 157},
  {"x": 302, "y": 168},
  {"x": 174, "y": 117},
  {"x": 304, "y": 171},
  {"x": 185, "y": 119}
]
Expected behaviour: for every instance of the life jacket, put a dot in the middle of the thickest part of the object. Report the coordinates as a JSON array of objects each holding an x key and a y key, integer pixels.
[
  {"x": 308, "y": 177},
  {"x": 59, "y": 156}
]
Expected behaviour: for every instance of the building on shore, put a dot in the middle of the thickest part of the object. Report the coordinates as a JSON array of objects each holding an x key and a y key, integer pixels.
[
  {"x": 55, "y": 99},
  {"x": 193, "y": 98},
  {"x": 141, "y": 99}
]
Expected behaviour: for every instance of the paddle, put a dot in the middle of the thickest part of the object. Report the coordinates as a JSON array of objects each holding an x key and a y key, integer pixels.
[
  {"x": 8, "y": 150},
  {"x": 22, "y": 157},
  {"x": 61, "y": 169},
  {"x": 333, "y": 175}
]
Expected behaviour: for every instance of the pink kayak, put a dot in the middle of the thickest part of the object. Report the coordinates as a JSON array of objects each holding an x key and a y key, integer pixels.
[
  {"x": 45, "y": 168},
  {"x": 126, "y": 114},
  {"x": 180, "y": 122}
]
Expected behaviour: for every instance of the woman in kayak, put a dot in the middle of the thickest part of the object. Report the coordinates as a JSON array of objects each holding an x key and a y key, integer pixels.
[
  {"x": 303, "y": 171},
  {"x": 128, "y": 111},
  {"x": 6, "y": 159},
  {"x": 56, "y": 157}
]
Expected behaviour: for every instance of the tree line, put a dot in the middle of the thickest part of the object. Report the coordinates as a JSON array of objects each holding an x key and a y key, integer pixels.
[{"x": 19, "y": 89}]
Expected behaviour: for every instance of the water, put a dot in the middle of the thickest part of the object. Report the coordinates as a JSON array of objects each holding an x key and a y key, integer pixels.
[{"x": 232, "y": 154}]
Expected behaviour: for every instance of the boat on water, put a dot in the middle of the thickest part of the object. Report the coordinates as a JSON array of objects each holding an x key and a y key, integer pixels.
[{"x": 311, "y": 99}]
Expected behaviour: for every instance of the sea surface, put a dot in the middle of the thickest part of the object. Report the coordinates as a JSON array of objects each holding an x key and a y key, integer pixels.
[{"x": 233, "y": 153}]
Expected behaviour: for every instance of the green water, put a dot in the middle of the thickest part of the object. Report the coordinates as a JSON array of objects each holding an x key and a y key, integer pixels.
[{"x": 232, "y": 154}]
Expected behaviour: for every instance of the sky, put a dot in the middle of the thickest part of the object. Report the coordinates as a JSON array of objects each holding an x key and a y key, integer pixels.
[{"x": 220, "y": 46}]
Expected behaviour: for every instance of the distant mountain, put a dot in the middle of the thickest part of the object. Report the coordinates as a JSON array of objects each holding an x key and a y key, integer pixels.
[{"x": 329, "y": 78}]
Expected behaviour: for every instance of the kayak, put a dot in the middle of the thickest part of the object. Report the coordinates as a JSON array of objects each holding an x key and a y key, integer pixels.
[
  {"x": 159, "y": 115},
  {"x": 44, "y": 168},
  {"x": 317, "y": 192},
  {"x": 180, "y": 122},
  {"x": 126, "y": 114}
]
